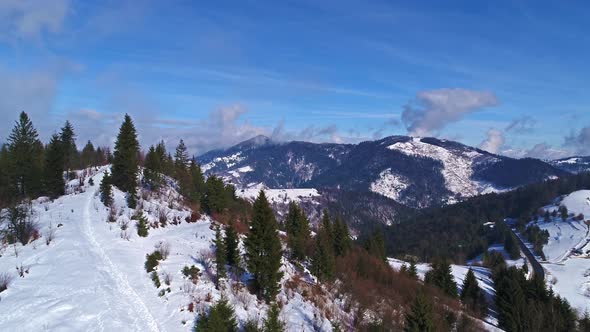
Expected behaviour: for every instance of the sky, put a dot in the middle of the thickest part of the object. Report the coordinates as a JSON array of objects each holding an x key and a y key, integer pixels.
[{"x": 510, "y": 77}]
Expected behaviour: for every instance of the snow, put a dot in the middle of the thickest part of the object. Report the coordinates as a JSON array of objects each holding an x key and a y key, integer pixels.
[
  {"x": 568, "y": 274},
  {"x": 457, "y": 166},
  {"x": 229, "y": 161},
  {"x": 389, "y": 184},
  {"x": 279, "y": 195},
  {"x": 91, "y": 277}
]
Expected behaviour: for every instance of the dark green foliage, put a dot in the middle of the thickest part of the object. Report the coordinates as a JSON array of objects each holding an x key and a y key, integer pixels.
[
  {"x": 142, "y": 226},
  {"x": 153, "y": 170},
  {"x": 342, "y": 241},
  {"x": 298, "y": 234},
  {"x": 412, "y": 271},
  {"x": 323, "y": 263},
  {"x": 25, "y": 159},
  {"x": 106, "y": 190},
  {"x": 471, "y": 295},
  {"x": 232, "y": 242},
  {"x": 512, "y": 246},
  {"x": 218, "y": 196},
  {"x": 54, "y": 168},
  {"x": 152, "y": 261},
  {"x": 221, "y": 318},
  {"x": 181, "y": 171},
  {"x": 220, "y": 255},
  {"x": 272, "y": 323},
  {"x": 584, "y": 323},
  {"x": 526, "y": 305},
  {"x": 193, "y": 273},
  {"x": 263, "y": 249},
  {"x": 70, "y": 152},
  {"x": 125, "y": 160},
  {"x": 419, "y": 317},
  {"x": 494, "y": 260},
  {"x": 7, "y": 189},
  {"x": 537, "y": 237},
  {"x": 375, "y": 245},
  {"x": 88, "y": 157},
  {"x": 156, "y": 279},
  {"x": 563, "y": 212},
  {"x": 20, "y": 228},
  {"x": 251, "y": 326},
  {"x": 441, "y": 276},
  {"x": 198, "y": 182}
]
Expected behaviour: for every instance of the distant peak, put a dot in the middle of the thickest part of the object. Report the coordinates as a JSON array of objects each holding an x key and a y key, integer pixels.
[{"x": 256, "y": 141}]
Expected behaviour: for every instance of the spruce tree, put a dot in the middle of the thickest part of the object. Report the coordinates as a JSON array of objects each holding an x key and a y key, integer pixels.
[
  {"x": 70, "y": 152},
  {"x": 181, "y": 172},
  {"x": 53, "y": 179},
  {"x": 232, "y": 243},
  {"x": 419, "y": 318},
  {"x": 25, "y": 158},
  {"x": 106, "y": 190},
  {"x": 152, "y": 173},
  {"x": 220, "y": 255},
  {"x": 7, "y": 189},
  {"x": 273, "y": 323},
  {"x": 88, "y": 156},
  {"x": 215, "y": 198},
  {"x": 441, "y": 276},
  {"x": 375, "y": 245},
  {"x": 221, "y": 318},
  {"x": 323, "y": 263},
  {"x": 412, "y": 271},
  {"x": 142, "y": 226},
  {"x": 125, "y": 160},
  {"x": 342, "y": 241},
  {"x": 263, "y": 249},
  {"x": 198, "y": 181},
  {"x": 298, "y": 234},
  {"x": 471, "y": 294}
]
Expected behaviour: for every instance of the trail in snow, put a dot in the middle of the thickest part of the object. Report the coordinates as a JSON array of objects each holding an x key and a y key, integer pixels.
[{"x": 143, "y": 315}]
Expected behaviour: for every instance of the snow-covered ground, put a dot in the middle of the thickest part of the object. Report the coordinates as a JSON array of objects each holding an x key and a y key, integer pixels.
[
  {"x": 569, "y": 274},
  {"x": 91, "y": 277},
  {"x": 279, "y": 195},
  {"x": 457, "y": 169},
  {"x": 390, "y": 184}
]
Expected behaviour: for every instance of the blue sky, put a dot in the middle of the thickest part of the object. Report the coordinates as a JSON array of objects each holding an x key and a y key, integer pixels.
[{"x": 510, "y": 76}]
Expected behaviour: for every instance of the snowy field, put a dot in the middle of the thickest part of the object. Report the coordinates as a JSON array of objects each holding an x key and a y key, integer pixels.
[
  {"x": 91, "y": 277},
  {"x": 278, "y": 195},
  {"x": 569, "y": 274}
]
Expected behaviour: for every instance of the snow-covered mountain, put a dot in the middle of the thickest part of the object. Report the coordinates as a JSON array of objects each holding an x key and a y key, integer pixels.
[
  {"x": 416, "y": 172},
  {"x": 572, "y": 164}
]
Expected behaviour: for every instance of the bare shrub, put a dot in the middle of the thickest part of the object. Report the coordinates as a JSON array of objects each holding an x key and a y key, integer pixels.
[
  {"x": 125, "y": 235},
  {"x": 124, "y": 224},
  {"x": 167, "y": 278},
  {"x": 162, "y": 216},
  {"x": 22, "y": 270},
  {"x": 20, "y": 226},
  {"x": 49, "y": 234},
  {"x": 5, "y": 280},
  {"x": 164, "y": 249},
  {"x": 112, "y": 217}
]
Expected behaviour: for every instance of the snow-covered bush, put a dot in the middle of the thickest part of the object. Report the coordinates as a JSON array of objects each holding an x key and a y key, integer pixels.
[
  {"x": 164, "y": 249},
  {"x": 193, "y": 273},
  {"x": 156, "y": 279},
  {"x": 142, "y": 226},
  {"x": 152, "y": 260},
  {"x": 5, "y": 280}
]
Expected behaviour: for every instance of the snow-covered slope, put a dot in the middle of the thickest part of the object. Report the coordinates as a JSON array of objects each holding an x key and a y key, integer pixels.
[
  {"x": 91, "y": 276},
  {"x": 568, "y": 273}
]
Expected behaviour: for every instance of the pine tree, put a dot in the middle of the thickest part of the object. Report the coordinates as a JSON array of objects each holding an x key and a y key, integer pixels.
[
  {"x": 106, "y": 190},
  {"x": 375, "y": 245},
  {"x": 125, "y": 160},
  {"x": 323, "y": 263},
  {"x": 88, "y": 156},
  {"x": 53, "y": 179},
  {"x": 215, "y": 199},
  {"x": 584, "y": 323},
  {"x": 181, "y": 172},
  {"x": 298, "y": 233},
  {"x": 7, "y": 189},
  {"x": 263, "y": 249},
  {"x": 198, "y": 181},
  {"x": 442, "y": 277},
  {"x": 471, "y": 294},
  {"x": 221, "y": 318},
  {"x": 419, "y": 318},
  {"x": 142, "y": 226},
  {"x": 232, "y": 243},
  {"x": 25, "y": 158},
  {"x": 511, "y": 246},
  {"x": 412, "y": 271},
  {"x": 272, "y": 323},
  {"x": 220, "y": 255},
  {"x": 342, "y": 241},
  {"x": 70, "y": 152},
  {"x": 153, "y": 169}
]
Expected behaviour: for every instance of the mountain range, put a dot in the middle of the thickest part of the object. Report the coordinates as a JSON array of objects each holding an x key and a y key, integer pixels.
[{"x": 412, "y": 171}]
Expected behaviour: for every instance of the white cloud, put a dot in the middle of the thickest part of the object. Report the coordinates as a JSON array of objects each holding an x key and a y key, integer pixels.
[
  {"x": 580, "y": 142},
  {"x": 494, "y": 141},
  {"x": 24, "y": 19},
  {"x": 434, "y": 109}
]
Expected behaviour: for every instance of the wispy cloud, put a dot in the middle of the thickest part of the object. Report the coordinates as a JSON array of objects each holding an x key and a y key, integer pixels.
[
  {"x": 29, "y": 19},
  {"x": 493, "y": 142}
]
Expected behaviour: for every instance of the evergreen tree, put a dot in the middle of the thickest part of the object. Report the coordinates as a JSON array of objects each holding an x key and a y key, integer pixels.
[
  {"x": 125, "y": 161},
  {"x": 7, "y": 190},
  {"x": 442, "y": 277},
  {"x": 263, "y": 249},
  {"x": 70, "y": 151},
  {"x": 88, "y": 156},
  {"x": 323, "y": 263},
  {"x": 198, "y": 181},
  {"x": 563, "y": 212},
  {"x": 220, "y": 255},
  {"x": 232, "y": 243},
  {"x": 375, "y": 245},
  {"x": 181, "y": 157},
  {"x": 298, "y": 233},
  {"x": 215, "y": 198},
  {"x": 471, "y": 294},
  {"x": 153, "y": 169},
  {"x": 181, "y": 172},
  {"x": 512, "y": 246},
  {"x": 53, "y": 179},
  {"x": 342, "y": 241},
  {"x": 106, "y": 190},
  {"x": 584, "y": 323},
  {"x": 412, "y": 271},
  {"x": 221, "y": 318},
  {"x": 25, "y": 158},
  {"x": 272, "y": 323},
  {"x": 142, "y": 226},
  {"x": 419, "y": 318}
]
